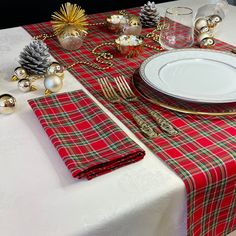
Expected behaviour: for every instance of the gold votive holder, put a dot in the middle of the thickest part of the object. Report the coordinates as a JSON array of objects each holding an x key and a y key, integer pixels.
[
  {"x": 133, "y": 26},
  {"x": 129, "y": 45},
  {"x": 115, "y": 23},
  {"x": 71, "y": 38}
]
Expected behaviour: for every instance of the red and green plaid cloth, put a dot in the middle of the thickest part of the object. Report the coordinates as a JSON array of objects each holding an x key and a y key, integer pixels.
[
  {"x": 88, "y": 141},
  {"x": 203, "y": 154}
]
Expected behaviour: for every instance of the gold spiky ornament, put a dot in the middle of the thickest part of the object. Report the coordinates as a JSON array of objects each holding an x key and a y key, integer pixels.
[{"x": 70, "y": 25}]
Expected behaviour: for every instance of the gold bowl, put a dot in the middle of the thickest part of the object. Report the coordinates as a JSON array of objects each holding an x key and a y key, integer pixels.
[
  {"x": 129, "y": 45},
  {"x": 115, "y": 23}
]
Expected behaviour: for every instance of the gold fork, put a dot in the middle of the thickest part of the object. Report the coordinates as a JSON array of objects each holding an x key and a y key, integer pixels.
[
  {"x": 127, "y": 93},
  {"x": 111, "y": 95}
]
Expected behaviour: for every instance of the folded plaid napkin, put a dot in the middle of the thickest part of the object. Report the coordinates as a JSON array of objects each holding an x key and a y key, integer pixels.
[{"x": 88, "y": 141}]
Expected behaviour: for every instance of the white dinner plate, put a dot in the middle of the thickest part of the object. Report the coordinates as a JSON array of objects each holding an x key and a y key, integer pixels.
[{"x": 196, "y": 75}]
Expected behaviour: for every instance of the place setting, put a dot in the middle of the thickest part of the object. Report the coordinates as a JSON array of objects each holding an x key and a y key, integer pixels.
[{"x": 190, "y": 81}]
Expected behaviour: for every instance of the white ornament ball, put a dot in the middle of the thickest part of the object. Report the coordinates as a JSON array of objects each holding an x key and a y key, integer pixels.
[
  {"x": 20, "y": 73},
  {"x": 24, "y": 85},
  {"x": 7, "y": 104},
  {"x": 200, "y": 23},
  {"x": 53, "y": 83}
]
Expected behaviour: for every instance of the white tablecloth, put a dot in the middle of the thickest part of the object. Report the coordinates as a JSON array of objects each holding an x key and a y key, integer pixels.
[{"x": 39, "y": 197}]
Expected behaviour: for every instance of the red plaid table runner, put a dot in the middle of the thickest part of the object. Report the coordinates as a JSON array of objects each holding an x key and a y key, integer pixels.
[
  {"x": 203, "y": 154},
  {"x": 88, "y": 141}
]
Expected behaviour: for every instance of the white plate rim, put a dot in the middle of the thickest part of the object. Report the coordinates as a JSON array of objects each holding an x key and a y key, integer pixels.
[{"x": 146, "y": 61}]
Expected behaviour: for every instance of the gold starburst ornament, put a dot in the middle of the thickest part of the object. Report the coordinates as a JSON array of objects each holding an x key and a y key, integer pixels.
[{"x": 70, "y": 26}]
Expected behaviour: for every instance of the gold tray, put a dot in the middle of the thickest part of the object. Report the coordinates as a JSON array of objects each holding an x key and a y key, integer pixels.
[{"x": 141, "y": 88}]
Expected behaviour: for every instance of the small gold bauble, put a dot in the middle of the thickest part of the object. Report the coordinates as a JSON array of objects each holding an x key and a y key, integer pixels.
[
  {"x": 57, "y": 69},
  {"x": 204, "y": 29},
  {"x": 213, "y": 20},
  {"x": 71, "y": 38},
  {"x": 53, "y": 83},
  {"x": 200, "y": 22},
  {"x": 20, "y": 73},
  {"x": 207, "y": 43},
  {"x": 203, "y": 36},
  {"x": 7, "y": 104},
  {"x": 133, "y": 26},
  {"x": 25, "y": 85}
]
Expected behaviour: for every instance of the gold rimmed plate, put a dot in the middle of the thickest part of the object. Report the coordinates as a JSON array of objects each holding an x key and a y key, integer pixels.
[
  {"x": 193, "y": 75},
  {"x": 141, "y": 88}
]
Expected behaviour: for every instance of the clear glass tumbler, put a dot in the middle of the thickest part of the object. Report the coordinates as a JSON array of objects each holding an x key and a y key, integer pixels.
[{"x": 178, "y": 28}]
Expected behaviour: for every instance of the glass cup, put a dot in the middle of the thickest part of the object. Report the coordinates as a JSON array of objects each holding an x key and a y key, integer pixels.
[{"x": 178, "y": 28}]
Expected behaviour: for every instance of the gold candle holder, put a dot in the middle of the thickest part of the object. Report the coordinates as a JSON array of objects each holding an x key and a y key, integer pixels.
[
  {"x": 133, "y": 26},
  {"x": 115, "y": 23},
  {"x": 129, "y": 45}
]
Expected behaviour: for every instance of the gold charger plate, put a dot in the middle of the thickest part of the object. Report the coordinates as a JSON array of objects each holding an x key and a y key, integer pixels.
[{"x": 141, "y": 88}]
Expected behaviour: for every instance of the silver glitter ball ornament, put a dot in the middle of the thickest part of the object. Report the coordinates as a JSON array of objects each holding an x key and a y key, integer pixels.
[
  {"x": 7, "y": 104},
  {"x": 53, "y": 83},
  {"x": 24, "y": 85},
  {"x": 56, "y": 68},
  {"x": 20, "y": 73}
]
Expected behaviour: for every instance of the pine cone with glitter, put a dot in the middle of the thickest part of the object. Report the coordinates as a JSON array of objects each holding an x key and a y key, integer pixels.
[
  {"x": 149, "y": 15},
  {"x": 35, "y": 58}
]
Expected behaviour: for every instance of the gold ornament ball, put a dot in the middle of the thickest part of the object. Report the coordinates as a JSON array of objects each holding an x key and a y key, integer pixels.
[
  {"x": 53, "y": 83},
  {"x": 213, "y": 20},
  {"x": 207, "y": 43},
  {"x": 204, "y": 29},
  {"x": 24, "y": 85},
  {"x": 7, "y": 104},
  {"x": 203, "y": 36},
  {"x": 71, "y": 38},
  {"x": 20, "y": 73},
  {"x": 56, "y": 68},
  {"x": 199, "y": 23}
]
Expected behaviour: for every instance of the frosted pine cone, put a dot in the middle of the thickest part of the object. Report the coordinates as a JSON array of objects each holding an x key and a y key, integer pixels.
[
  {"x": 149, "y": 15},
  {"x": 35, "y": 58}
]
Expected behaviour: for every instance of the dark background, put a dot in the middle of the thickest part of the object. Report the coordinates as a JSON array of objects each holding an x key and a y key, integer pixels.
[{"x": 16, "y": 13}]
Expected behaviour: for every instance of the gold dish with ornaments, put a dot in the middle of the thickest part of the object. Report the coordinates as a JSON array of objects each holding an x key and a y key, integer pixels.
[
  {"x": 115, "y": 23},
  {"x": 133, "y": 26},
  {"x": 127, "y": 24},
  {"x": 129, "y": 45}
]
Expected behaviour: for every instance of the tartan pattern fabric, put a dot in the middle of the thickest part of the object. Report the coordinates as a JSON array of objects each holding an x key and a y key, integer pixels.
[
  {"x": 87, "y": 140},
  {"x": 203, "y": 154}
]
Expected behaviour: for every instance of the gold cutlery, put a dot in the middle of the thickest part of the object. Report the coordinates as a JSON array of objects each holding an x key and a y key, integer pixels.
[
  {"x": 127, "y": 93},
  {"x": 112, "y": 96}
]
